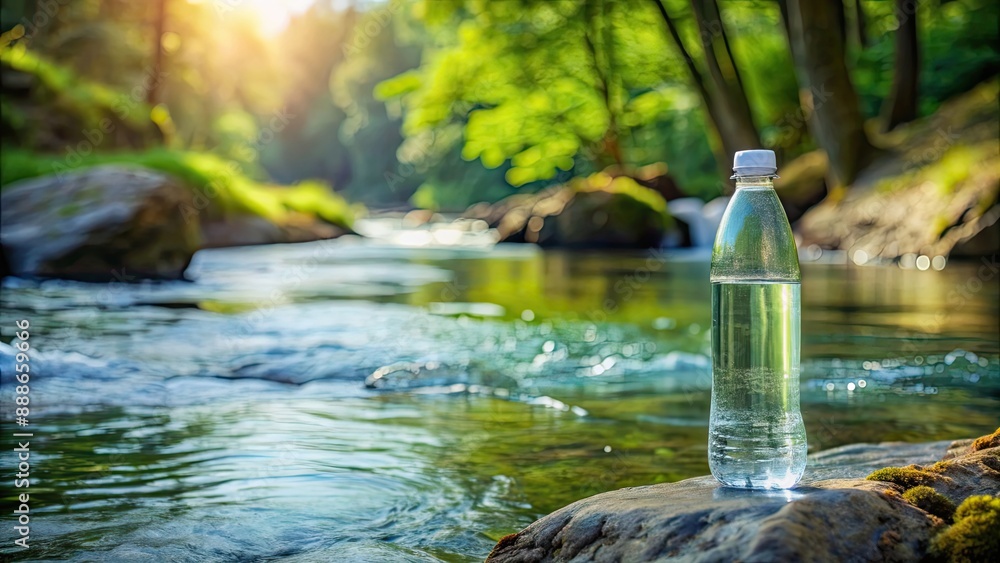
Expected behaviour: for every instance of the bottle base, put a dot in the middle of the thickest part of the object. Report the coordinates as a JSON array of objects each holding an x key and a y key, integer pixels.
[
  {"x": 764, "y": 484},
  {"x": 745, "y": 455}
]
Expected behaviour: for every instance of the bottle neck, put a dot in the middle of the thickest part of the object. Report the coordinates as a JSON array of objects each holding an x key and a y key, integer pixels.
[{"x": 754, "y": 182}]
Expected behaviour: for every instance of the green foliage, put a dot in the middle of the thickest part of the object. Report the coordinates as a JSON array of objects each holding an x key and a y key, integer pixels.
[
  {"x": 536, "y": 83},
  {"x": 311, "y": 151},
  {"x": 973, "y": 537},
  {"x": 555, "y": 87},
  {"x": 221, "y": 182},
  {"x": 313, "y": 197},
  {"x": 761, "y": 50},
  {"x": 528, "y": 89},
  {"x": 930, "y": 501},
  {"x": 369, "y": 131},
  {"x": 66, "y": 92},
  {"x": 451, "y": 183},
  {"x": 958, "y": 49},
  {"x": 450, "y": 102},
  {"x": 679, "y": 136},
  {"x": 906, "y": 477}
]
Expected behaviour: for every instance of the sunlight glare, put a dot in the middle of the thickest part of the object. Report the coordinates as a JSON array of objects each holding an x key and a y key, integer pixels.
[{"x": 273, "y": 15}]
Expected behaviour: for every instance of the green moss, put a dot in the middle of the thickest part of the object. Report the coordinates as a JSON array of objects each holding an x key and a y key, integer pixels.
[
  {"x": 939, "y": 466},
  {"x": 940, "y": 225},
  {"x": 601, "y": 181},
  {"x": 222, "y": 185},
  {"x": 988, "y": 441},
  {"x": 931, "y": 501},
  {"x": 974, "y": 535},
  {"x": 315, "y": 198},
  {"x": 954, "y": 166},
  {"x": 947, "y": 172},
  {"x": 906, "y": 477}
]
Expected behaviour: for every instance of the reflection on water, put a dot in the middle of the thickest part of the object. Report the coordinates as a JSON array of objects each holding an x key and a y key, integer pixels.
[{"x": 229, "y": 418}]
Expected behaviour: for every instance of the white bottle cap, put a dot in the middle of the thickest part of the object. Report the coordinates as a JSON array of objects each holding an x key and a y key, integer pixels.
[{"x": 757, "y": 162}]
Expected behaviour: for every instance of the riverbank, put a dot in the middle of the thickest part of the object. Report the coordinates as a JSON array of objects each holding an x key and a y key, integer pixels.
[{"x": 935, "y": 191}]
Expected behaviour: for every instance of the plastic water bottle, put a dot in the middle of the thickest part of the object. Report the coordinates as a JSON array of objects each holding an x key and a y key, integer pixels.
[{"x": 756, "y": 436}]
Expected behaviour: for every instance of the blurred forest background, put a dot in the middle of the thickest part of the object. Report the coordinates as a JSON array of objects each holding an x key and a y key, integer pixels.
[{"x": 440, "y": 104}]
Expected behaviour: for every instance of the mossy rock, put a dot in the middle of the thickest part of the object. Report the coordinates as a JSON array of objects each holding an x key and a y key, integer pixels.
[
  {"x": 598, "y": 211},
  {"x": 930, "y": 501},
  {"x": 830, "y": 519},
  {"x": 988, "y": 441},
  {"x": 906, "y": 477},
  {"x": 939, "y": 467},
  {"x": 105, "y": 223},
  {"x": 974, "y": 536}
]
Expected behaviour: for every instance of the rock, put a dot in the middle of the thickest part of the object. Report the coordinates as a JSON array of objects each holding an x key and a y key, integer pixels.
[
  {"x": 604, "y": 219},
  {"x": 299, "y": 227},
  {"x": 510, "y": 216},
  {"x": 243, "y": 230},
  {"x": 248, "y": 230},
  {"x": 984, "y": 242},
  {"x": 420, "y": 217},
  {"x": 657, "y": 178},
  {"x": 802, "y": 183},
  {"x": 935, "y": 193},
  {"x": 595, "y": 212},
  {"x": 98, "y": 224},
  {"x": 860, "y": 460},
  {"x": 834, "y": 515}
]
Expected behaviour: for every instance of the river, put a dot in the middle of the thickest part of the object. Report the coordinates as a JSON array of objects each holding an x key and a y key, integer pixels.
[{"x": 237, "y": 417}]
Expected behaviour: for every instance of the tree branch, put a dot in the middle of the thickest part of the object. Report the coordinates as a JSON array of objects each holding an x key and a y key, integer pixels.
[
  {"x": 717, "y": 14},
  {"x": 696, "y": 77}
]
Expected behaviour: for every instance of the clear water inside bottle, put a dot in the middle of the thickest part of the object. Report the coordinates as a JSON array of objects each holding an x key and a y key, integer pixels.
[{"x": 756, "y": 435}]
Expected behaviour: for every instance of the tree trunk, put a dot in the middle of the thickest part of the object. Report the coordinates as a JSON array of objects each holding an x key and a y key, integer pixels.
[
  {"x": 159, "y": 24},
  {"x": 711, "y": 22},
  {"x": 723, "y": 96},
  {"x": 598, "y": 43},
  {"x": 825, "y": 89},
  {"x": 783, "y": 8},
  {"x": 901, "y": 105},
  {"x": 728, "y": 105},
  {"x": 860, "y": 24},
  {"x": 841, "y": 27}
]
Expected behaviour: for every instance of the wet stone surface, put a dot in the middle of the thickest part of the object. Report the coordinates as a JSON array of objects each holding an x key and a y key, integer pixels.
[{"x": 833, "y": 515}]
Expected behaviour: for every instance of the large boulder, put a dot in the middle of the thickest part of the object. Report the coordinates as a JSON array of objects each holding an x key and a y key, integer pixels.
[
  {"x": 835, "y": 515},
  {"x": 595, "y": 212},
  {"x": 98, "y": 224}
]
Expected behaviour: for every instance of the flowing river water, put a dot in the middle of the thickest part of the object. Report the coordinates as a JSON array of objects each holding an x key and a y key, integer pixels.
[{"x": 354, "y": 400}]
